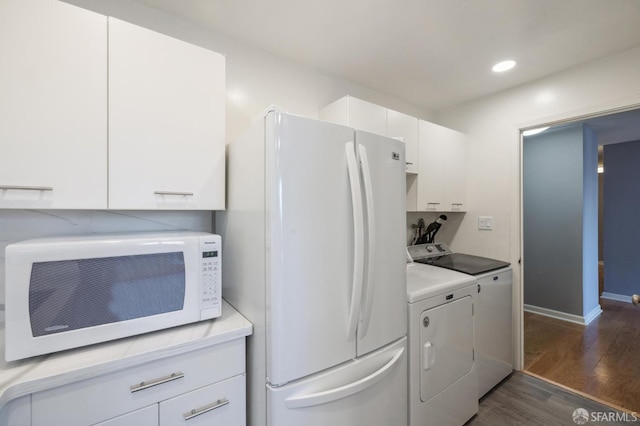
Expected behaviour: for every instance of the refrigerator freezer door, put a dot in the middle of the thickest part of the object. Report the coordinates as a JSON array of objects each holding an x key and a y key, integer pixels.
[
  {"x": 369, "y": 391},
  {"x": 384, "y": 312},
  {"x": 310, "y": 246}
]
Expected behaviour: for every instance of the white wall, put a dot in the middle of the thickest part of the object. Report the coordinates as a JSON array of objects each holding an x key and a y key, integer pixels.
[
  {"x": 492, "y": 124},
  {"x": 255, "y": 79}
]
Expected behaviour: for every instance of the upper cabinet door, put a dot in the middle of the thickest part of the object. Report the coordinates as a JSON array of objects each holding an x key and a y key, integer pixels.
[
  {"x": 354, "y": 112},
  {"x": 53, "y": 106},
  {"x": 404, "y": 127},
  {"x": 442, "y": 169},
  {"x": 366, "y": 116},
  {"x": 166, "y": 122}
]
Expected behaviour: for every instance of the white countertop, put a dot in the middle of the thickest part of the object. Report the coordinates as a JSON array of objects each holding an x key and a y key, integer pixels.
[{"x": 18, "y": 378}]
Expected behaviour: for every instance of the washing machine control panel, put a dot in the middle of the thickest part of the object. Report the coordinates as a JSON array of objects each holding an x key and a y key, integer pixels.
[{"x": 423, "y": 251}]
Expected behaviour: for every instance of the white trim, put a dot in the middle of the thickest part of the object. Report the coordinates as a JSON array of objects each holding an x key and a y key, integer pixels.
[
  {"x": 624, "y": 104},
  {"x": 595, "y": 313},
  {"x": 618, "y": 297},
  {"x": 577, "y": 319},
  {"x": 517, "y": 257}
]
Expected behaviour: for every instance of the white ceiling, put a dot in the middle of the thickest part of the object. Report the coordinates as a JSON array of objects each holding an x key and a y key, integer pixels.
[{"x": 431, "y": 53}]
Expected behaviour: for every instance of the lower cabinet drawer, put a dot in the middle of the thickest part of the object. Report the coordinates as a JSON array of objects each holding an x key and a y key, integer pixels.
[
  {"x": 104, "y": 397},
  {"x": 219, "y": 404},
  {"x": 143, "y": 417}
]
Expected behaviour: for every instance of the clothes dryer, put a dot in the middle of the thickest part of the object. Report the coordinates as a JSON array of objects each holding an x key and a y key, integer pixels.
[
  {"x": 494, "y": 308},
  {"x": 443, "y": 387}
]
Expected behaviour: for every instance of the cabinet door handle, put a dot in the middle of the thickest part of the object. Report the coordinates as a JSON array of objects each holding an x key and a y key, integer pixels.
[
  {"x": 27, "y": 188},
  {"x": 408, "y": 163},
  {"x": 155, "y": 382},
  {"x": 186, "y": 194},
  {"x": 205, "y": 408}
]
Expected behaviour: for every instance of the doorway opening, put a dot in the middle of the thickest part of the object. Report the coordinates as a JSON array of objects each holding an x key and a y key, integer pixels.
[{"x": 579, "y": 328}]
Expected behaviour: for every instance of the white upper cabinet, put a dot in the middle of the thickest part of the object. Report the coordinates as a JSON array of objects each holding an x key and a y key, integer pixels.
[
  {"x": 404, "y": 127},
  {"x": 363, "y": 115},
  {"x": 435, "y": 155},
  {"x": 166, "y": 122},
  {"x": 97, "y": 113},
  {"x": 356, "y": 113},
  {"x": 53, "y": 106},
  {"x": 441, "y": 181}
]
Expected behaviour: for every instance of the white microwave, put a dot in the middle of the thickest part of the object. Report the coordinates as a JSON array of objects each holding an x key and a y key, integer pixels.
[{"x": 62, "y": 293}]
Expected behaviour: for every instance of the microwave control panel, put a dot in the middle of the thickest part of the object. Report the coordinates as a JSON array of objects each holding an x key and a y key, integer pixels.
[{"x": 210, "y": 276}]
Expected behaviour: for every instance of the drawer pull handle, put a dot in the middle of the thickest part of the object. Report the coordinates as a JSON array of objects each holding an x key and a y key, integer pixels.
[
  {"x": 205, "y": 408},
  {"x": 155, "y": 382},
  {"x": 185, "y": 194},
  {"x": 27, "y": 188}
]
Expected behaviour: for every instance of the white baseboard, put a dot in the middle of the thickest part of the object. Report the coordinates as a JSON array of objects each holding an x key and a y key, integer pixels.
[
  {"x": 618, "y": 297},
  {"x": 595, "y": 313},
  {"x": 577, "y": 319}
]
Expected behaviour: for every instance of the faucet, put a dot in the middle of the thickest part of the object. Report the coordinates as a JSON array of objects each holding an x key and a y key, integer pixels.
[{"x": 635, "y": 299}]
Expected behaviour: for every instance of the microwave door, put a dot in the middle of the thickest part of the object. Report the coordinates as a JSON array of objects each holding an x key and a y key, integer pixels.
[
  {"x": 67, "y": 292},
  {"x": 77, "y": 294}
]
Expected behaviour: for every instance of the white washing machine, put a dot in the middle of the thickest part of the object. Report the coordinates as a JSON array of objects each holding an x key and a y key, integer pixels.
[
  {"x": 443, "y": 387},
  {"x": 494, "y": 328},
  {"x": 493, "y": 314}
]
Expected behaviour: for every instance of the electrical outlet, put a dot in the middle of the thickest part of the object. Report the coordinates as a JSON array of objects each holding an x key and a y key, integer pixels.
[{"x": 485, "y": 223}]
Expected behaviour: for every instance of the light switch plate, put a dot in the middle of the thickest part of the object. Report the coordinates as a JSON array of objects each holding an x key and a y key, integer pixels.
[{"x": 485, "y": 223}]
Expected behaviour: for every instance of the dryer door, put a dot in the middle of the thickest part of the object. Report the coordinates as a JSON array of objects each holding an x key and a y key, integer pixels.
[{"x": 446, "y": 346}]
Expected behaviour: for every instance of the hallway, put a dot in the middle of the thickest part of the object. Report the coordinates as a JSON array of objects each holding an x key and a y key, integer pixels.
[{"x": 601, "y": 360}]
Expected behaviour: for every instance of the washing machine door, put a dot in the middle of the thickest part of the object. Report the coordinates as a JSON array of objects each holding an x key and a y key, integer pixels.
[{"x": 446, "y": 341}]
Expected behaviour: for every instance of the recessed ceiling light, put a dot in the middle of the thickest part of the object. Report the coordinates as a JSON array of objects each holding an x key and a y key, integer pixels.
[
  {"x": 532, "y": 132},
  {"x": 504, "y": 66}
]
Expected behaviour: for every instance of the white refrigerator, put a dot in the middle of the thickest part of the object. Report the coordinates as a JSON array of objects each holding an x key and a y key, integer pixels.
[{"x": 314, "y": 240}]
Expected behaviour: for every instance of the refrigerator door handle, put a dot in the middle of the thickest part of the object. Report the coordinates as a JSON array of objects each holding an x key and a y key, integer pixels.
[
  {"x": 340, "y": 392},
  {"x": 358, "y": 237},
  {"x": 371, "y": 246}
]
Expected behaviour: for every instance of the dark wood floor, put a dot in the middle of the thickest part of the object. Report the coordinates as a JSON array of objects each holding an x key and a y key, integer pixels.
[
  {"x": 601, "y": 360},
  {"x": 525, "y": 400}
]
